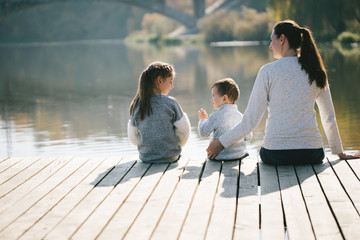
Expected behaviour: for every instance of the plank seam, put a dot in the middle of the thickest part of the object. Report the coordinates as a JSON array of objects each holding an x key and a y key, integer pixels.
[
  {"x": 342, "y": 185},
  {"x": 191, "y": 201},
  {"x": 146, "y": 201},
  {"x": 60, "y": 200},
  {"x": 303, "y": 197},
  {"x": 77, "y": 203},
  {"x": 117, "y": 210},
  {"x": 78, "y": 228},
  {"x": 352, "y": 169},
  {"x": 6, "y": 158},
  {"x": 282, "y": 203},
  {"x": 22, "y": 170},
  {"x": 213, "y": 200},
  {"x": 237, "y": 200},
  {"x": 41, "y": 198},
  {"x": 27, "y": 179},
  {"x": 10, "y": 166},
  {"x": 168, "y": 202},
  {"x": 328, "y": 203},
  {"x": 39, "y": 184}
]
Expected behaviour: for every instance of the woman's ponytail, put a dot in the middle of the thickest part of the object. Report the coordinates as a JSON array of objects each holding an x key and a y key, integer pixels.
[{"x": 311, "y": 60}]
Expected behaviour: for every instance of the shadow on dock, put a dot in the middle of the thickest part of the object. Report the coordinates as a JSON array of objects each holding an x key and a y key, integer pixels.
[{"x": 233, "y": 173}]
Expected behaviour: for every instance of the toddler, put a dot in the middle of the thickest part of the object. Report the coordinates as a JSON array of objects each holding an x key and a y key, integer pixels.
[{"x": 225, "y": 92}]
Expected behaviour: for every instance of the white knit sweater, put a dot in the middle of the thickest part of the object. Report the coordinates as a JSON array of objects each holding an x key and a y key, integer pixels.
[
  {"x": 218, "y": 123},
  {"x": 283, "y": 88}
]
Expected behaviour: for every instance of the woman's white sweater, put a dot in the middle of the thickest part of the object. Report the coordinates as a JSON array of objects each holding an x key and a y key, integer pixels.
[{"x": 283, "y": 88}]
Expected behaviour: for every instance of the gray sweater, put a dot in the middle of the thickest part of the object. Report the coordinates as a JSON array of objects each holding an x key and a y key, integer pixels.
[
  {"x": 160, "y": 136},
  {"x": 283, "y": 88},
  {"x": 218, "y": 123}
]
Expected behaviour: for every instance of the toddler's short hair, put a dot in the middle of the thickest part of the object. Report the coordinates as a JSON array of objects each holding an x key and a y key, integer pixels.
[{"x": 228, "y": 86}]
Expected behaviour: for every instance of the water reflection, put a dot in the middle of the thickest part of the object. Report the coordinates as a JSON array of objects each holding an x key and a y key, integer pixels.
[
  {"x": 72, "y": 99},
  {"x": 344, "y": 72}
]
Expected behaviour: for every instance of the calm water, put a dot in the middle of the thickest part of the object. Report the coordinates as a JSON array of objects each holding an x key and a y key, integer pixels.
[{"x": 72, "y": 98}]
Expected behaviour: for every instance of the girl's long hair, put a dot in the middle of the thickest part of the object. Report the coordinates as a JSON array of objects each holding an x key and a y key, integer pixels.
[
  {"x": 147, "y": 85},
  {"x": 309, "y": 56}
]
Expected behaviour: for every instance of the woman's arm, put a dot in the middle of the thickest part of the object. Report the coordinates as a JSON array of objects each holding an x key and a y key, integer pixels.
[
  {"x": 328, "y": 120},
  {"x": 254, "y": 112}
]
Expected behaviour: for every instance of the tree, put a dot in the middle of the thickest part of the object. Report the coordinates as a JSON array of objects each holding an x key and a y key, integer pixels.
[{"x": 326, "y": 18}]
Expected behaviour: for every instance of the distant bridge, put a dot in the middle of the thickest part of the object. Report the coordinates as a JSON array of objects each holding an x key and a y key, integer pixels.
[{"x": 189, "y": 21}]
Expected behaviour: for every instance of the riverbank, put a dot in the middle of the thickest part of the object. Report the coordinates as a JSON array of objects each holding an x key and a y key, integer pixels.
[{"x": 346, "y": 39}]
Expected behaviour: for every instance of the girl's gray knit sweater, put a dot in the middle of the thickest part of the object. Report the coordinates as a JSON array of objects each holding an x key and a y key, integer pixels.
[
  {"x": 218, "y": 123},
  {"x": 283, "y": 88},
  {"x": 160, "y": 136}
]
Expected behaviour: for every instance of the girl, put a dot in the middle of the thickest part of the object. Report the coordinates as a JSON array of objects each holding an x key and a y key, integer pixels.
[
  {"x": 289, "y": 89},
  {"x": 157, "y": 126}
]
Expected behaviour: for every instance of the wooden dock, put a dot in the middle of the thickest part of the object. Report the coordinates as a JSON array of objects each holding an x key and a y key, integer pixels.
[{"x": 122, "y": 198}]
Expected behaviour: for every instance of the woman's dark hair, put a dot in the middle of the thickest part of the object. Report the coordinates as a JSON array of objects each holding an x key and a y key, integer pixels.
[
  {"x": 229, "y": 87},
  {"x": 309, "y": 56},
  {"x": 146, "y": 86}
]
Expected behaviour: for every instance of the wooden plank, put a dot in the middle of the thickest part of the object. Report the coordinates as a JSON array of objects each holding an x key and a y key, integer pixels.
[
  {"x": 17, "y": 169},
  {"x": 9, "y": 163},
  {"x": 345, "y": 213},
  {"x": 57, "y": 199},
  {"x": 24, "y": 176},
  {"x": 24, "y": 204},
  {"x": 199, "y": 215},
  {"x": 11, "y": 197},
  {"x": 68, "y": 225},
  {"x": 348, "y": 179},
  {"x": 355, "y": 166},
  {"x": 49, "y": 201},
  {"x": 170, "y": 224},
  {"x": 322, "y": 220},
  {"x": 156, "y": 204},
  {"x": 272, "y": 221},
  {"x": 3, "y": 159},
  {"x": 297, "y": 219},
  {"x": 59, "y": 211},
  {"x": 133, "y": 205},
  {"x": 100, "y": 217},
  {"x": 247, "y": 218},
  {"x": 222, "y": 219}
]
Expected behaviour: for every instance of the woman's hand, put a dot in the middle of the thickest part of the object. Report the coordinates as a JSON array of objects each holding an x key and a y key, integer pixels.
[
  {"x": 214, "y": 148},
  {"x": 345, "y": 156},
  {"x": 202, "y": 114}
]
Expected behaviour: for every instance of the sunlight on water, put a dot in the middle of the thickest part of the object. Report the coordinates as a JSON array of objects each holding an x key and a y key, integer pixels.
[{"x": 72, "y": 99}]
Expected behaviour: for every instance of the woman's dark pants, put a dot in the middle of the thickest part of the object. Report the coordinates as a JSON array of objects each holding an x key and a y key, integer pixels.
[{"x": 292, "y": 156}]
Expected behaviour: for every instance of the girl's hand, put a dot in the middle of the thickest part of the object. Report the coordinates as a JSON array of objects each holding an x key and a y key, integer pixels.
[
  {"x": 214, "y": 148},
  {"x": 345, "y": 156},
  {"x": 202, "y": 114}
]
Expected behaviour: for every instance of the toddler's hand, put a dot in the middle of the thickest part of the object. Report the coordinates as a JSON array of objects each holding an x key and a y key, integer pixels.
[{"x": 202, "y": 114}]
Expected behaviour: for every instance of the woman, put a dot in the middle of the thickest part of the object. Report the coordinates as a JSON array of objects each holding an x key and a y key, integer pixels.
[{"x": 289, "y": 88}]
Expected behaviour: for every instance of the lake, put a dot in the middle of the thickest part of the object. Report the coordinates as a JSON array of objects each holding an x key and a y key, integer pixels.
[{"x": 72, "y": 98}]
